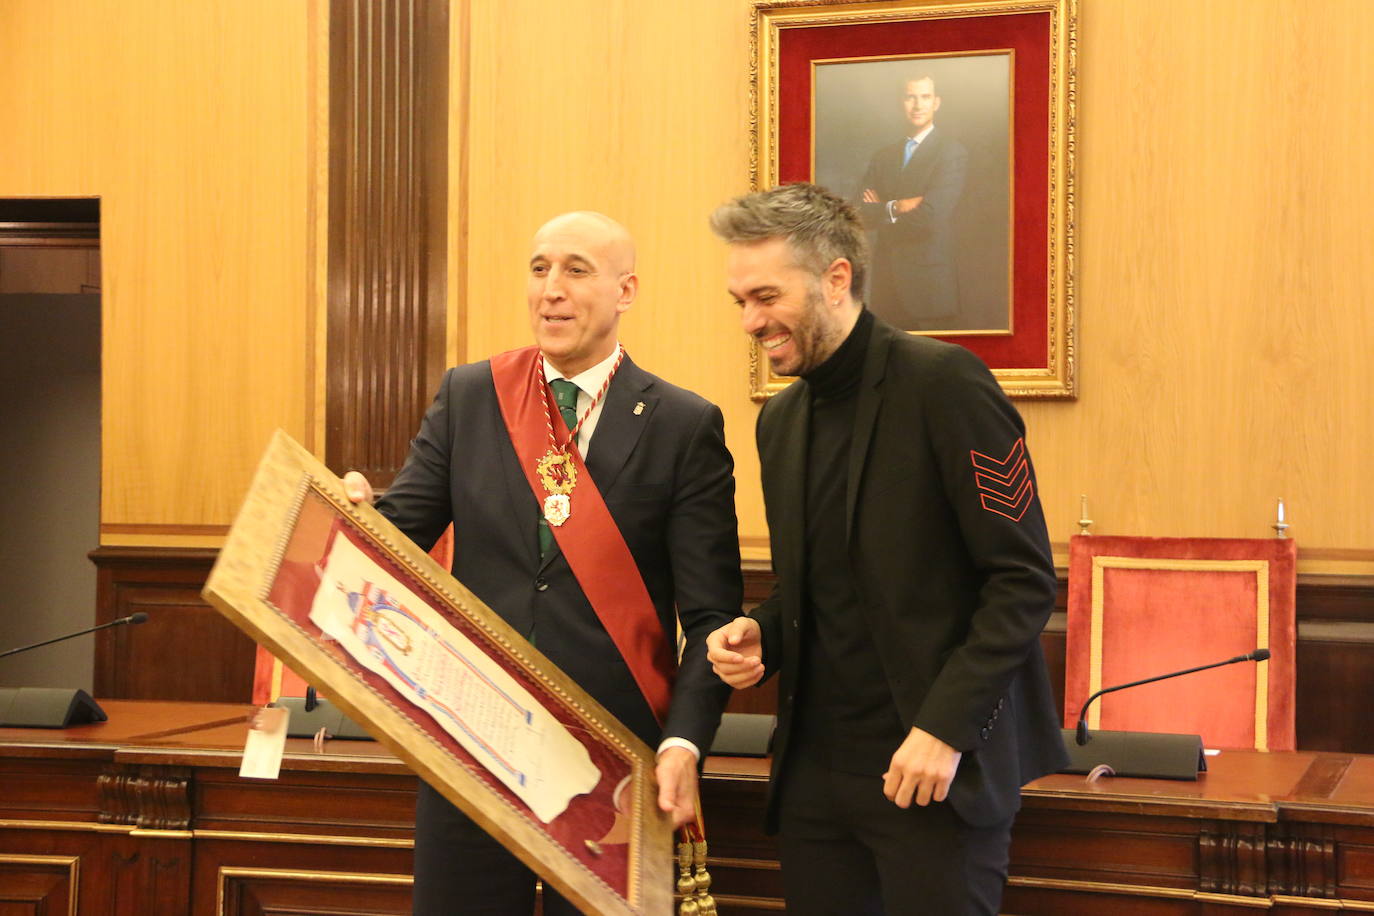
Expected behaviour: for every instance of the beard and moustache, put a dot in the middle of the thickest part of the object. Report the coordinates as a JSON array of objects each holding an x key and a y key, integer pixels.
[{"x": 815, "y": 335}]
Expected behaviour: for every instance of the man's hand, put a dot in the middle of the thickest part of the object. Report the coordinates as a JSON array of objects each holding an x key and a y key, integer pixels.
[
  {"x": 676, "y": 773},
  {"x": 906, "y": 204},
  {"x": 871, "y": 196},
  {"x": 923, "y": 766},
  {"x": 735, "y": 652},
  {"x": 357, "y": 488}
]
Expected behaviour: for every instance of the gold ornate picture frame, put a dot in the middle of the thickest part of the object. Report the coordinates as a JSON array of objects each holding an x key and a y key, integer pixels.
[
  {"x": 609, "y": 851},
  {"x": 989, "y": 262}
]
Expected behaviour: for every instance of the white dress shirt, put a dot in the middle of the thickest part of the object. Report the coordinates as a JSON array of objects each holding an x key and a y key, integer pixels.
[{"x": 588, "y": 383}]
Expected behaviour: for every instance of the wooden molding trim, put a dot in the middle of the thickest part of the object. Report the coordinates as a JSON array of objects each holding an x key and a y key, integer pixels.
[{"x": 141, "y": 529}]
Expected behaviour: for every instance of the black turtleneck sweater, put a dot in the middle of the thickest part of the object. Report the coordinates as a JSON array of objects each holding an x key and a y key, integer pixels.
[{"x": 845, "y": 710}]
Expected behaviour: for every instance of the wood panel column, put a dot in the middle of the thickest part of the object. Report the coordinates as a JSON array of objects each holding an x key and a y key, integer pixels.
[
  {"x": 385, "y": 339},
  {"x": 388, "y": 191}
]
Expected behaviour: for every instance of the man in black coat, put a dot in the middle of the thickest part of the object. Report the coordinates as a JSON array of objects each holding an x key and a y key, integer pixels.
[
  {"x": 908, "y": 198},
  {"x": 914, "y": 576},
  {"x": 657, "y": 455}
]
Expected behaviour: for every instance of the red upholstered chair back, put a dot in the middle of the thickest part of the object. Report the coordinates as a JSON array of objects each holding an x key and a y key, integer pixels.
[
  {"x": 1145, "y": 606},
  {"x": 272, "y": 679}
]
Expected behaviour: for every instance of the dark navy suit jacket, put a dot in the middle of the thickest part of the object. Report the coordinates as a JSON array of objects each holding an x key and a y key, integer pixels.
[{"x": 667, "y": 479}]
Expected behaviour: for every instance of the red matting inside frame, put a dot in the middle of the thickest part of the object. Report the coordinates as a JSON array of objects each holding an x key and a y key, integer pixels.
[
  {"x": 1028, "y": 34},
  {"x": 588, "y": 817}
]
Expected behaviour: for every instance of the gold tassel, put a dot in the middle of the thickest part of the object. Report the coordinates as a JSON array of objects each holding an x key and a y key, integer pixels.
[
  {"x": 686, "y": 883},
  {"x": 706, "y": 904}
]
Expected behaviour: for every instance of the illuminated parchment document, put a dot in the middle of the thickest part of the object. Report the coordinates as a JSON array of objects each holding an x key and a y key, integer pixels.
[{"x": 390, "y": 631}]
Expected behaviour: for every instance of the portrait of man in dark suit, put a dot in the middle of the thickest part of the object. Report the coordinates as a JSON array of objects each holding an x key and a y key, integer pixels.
[
  {"x": 922, "y": 147},
  {"x": 908, "y": 198}
]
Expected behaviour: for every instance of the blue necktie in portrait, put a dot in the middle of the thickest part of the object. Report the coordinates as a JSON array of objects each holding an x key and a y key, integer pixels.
[{"x": 911, "y": 144}]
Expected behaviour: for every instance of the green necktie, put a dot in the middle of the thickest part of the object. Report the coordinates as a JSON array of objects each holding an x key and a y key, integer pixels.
[{"x": 565, "y": 396}]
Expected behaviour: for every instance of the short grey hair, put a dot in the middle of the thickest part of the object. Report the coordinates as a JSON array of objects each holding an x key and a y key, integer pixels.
[{"x": 819, "y": 227}]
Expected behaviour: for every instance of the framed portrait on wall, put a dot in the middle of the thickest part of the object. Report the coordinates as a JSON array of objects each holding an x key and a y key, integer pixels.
[{"x": 950, "y": 127}]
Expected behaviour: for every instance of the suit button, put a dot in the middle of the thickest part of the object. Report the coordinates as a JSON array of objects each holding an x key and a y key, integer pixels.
[
  {"x": 541, "y": 584},
  {"x": 984, "y": 733},
  {"x": 796, "y": 624}
]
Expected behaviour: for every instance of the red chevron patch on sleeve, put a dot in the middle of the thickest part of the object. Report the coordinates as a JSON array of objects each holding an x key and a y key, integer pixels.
[{"x": 1004, "y": 484}]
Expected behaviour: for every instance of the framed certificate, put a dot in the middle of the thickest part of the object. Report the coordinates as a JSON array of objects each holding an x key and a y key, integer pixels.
[{"x": 338, "y": 593}]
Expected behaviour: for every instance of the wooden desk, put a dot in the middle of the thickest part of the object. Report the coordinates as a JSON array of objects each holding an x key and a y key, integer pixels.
[
  {"x": 1284, "y": 832},
  {"x": 145, "y": 814}
]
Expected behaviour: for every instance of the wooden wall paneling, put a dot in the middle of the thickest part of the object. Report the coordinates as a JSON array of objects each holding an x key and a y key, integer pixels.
[
  {"x": 1223, "y": 331},
  {"x": 1285, "y": 832},
  {"x": 743, "y": 860},
  {"x": 190, "y": 128},
  {"x": 150, "y": 874},
  {"x": 186, "y": 650},
  {"x": 38, "y": 884},
  {"x": 1216, "y": 372},
  {"x": 340, "y": 841},
  {"x": 93, "y": 873},
  {"x": 387, "y": 261},
  {"x": 649, "y": 135},
  {"x": 189, "y": 123},
  {"x": 250, "y": 891},
  {"x": 304, "y": 802}
]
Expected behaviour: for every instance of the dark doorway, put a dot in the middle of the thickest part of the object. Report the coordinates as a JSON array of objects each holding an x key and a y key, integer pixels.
[{"x": 50, "y": 418}]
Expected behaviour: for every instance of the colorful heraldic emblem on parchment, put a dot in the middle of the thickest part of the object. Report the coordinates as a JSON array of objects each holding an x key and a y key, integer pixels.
[{"x": 390, "y": 631}]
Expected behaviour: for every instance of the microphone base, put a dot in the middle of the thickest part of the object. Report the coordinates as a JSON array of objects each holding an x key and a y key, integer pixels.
[
  {"x": 326, "y": 715},
  {"x": 743, "y": 734},
  {"x": 47, "y": 707},
  {"x": 1149, "y": 755}
]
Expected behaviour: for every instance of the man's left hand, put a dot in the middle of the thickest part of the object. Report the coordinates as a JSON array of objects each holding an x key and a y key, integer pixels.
[
  {"x": 923, "y": 767},
  {"x": 676, "y": 772}
]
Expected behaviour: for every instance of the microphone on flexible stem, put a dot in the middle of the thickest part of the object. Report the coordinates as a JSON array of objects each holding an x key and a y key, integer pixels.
[
  {"x": 54, "y": 707},
  {"x": 1082, "y": 737},
  {"x": 1144, "y": 753},
  {"x": 139, "y": 617}
]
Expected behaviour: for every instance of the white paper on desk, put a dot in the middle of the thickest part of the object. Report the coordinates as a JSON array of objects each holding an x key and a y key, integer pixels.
[
  {"x": 266, "y": 741},
  {"x": 391, "y": 632}
]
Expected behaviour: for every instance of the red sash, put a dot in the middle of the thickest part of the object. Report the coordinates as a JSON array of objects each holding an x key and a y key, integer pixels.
[{"x": 596, "y": 550}]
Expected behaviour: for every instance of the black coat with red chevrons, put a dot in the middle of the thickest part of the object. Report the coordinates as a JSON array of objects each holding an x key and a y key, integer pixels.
[{"x": 950, "y": 557}]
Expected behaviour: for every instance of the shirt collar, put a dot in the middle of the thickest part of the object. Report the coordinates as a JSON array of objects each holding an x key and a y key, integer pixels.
[
  {"x": 588, "y": 380},
  {"x": 919, "y": 138}
]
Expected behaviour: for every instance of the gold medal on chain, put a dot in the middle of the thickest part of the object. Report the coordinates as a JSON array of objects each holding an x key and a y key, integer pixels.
[
  {"x": 557, "y": 471},
  {"x": 558, "y": 475}
]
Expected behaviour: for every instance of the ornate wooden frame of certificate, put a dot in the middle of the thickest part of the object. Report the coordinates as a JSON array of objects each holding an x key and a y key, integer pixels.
[{"x": 278, "y": 578}]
